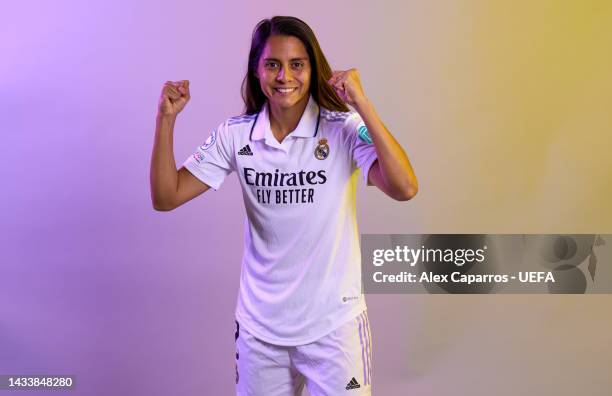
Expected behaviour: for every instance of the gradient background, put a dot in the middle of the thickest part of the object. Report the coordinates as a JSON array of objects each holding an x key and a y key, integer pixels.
[{"x": 503, "y": 108}]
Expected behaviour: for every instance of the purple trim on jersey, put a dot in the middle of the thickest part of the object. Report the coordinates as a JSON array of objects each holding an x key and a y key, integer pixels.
[
  {"x": 241, "y": 117},
  {"x": 327, "y": 113},
  {"x": 241, "y": 120},
  {"x": 330, "y": 120}
]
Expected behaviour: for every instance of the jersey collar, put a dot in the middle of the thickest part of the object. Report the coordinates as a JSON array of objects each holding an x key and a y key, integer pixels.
[{"x": 307, "y": 127}]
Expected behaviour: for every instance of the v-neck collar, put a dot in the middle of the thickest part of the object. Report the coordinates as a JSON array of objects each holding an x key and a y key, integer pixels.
[{"x": 306, "y": 128}]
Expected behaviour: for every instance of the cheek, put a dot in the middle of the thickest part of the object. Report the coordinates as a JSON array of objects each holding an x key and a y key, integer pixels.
[
  {"x": 306, "y": 82},
  {"x": 307, "y": 77},
  {"x": 265, "y": 80},
  {"x": 302, "y": 76}
]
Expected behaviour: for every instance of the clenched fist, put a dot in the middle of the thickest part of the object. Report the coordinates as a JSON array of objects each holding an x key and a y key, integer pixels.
[
  {"x": 174, "y": 97},
  {"x": 348, "y": 86}
]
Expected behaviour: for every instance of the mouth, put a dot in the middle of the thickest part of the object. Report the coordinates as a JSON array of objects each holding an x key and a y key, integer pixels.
[{"x": 285, "y": 91}]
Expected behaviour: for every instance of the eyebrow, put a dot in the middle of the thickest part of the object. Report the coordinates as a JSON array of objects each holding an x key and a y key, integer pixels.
[{"x": 290, "y": 60}]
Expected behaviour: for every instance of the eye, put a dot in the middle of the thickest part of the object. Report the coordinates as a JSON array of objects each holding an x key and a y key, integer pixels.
[
  {"x": 271, "y": 65},
  {"x": 297, "y": 65}
]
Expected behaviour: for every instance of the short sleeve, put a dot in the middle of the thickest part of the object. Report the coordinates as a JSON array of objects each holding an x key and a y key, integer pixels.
[
  {"x": 362, "y": 147},
  {"x": 213, "y": 160}
]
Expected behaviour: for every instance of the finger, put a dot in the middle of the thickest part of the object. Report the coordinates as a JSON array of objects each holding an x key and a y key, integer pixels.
[
  {"x": 336, "y": 76},
  {"x": 172, "y": 93},
  {"x": 341, "y": 94},
  {"x": 344, "y": 77},
  {"x": 171, "y": 90},
  {"x": 340, "y": 81},
  {"x": 339, "y": 85},
  {"x": 333, "y": 77}
]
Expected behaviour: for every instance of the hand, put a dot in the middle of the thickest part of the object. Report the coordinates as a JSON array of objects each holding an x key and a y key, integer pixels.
[
  {"x": 174, "y": 97},
  {"x": 348, "y": 86}
]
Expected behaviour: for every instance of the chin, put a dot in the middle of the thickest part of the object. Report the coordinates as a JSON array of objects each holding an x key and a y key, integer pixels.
[{"x": 286, "y": 102}]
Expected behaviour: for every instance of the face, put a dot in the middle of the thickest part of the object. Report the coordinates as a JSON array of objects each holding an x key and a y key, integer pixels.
[{"x": 284, "y": 72}]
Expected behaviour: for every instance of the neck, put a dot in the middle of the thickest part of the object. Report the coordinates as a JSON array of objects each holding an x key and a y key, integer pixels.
[{"x": 284, "y": 120}]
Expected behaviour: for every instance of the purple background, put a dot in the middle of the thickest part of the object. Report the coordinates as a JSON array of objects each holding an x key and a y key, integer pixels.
[{"x": 507, "y": 128}]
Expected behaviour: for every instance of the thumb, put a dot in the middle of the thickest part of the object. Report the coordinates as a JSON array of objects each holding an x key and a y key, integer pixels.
[
  {"x": 184, "y": 87},
  {"x": 182, "y": 101}
]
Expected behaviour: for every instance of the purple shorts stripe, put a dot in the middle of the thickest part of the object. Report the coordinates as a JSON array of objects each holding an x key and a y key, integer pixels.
[
  {"x": 361, "y": 337},
  {"x": 368, "y": 346},
  {"x": 364, "y": 350}
]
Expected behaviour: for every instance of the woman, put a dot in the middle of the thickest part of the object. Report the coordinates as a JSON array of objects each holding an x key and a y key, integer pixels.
[{"x": 301, "y": 318}]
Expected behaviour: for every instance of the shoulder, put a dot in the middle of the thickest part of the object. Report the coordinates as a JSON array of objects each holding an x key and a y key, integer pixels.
[
  {"x": 237, "y": 126},
  {"x": 335, "y": 117},
  {"x": 341, "y": 119},
  {"x": 341, "y": 122}
]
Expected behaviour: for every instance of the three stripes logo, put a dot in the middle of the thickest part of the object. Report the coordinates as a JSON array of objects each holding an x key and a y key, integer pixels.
[
  {"x": 353, "y": 384},
  {"x": 246, "y": 150}
]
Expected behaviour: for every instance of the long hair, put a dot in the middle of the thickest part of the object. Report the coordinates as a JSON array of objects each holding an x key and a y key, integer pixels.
[{"x": 321, "y": 91}]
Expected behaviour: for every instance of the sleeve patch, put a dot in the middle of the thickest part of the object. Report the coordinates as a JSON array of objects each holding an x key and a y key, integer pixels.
[
  {"x": 210, "y": 141},
  {"x": 364, "y": 134},
  {"x": 198, "y": 156}
]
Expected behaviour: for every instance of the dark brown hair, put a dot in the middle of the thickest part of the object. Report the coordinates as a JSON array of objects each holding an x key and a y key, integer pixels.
[{"x": 321, "y": 91}]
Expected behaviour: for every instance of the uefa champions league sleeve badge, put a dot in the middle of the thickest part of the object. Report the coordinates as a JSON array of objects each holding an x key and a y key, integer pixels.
[
  {"x": 210, "y": 141},
  {"x": 322, "y": 150}
]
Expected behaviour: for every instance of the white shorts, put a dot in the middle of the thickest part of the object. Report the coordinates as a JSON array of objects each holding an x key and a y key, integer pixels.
[{"x": 338, "y": 364}]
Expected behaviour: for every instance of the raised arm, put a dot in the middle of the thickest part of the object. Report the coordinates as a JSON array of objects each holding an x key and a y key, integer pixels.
[
  {"x": 391, "y": 172},
  {"x": 170, "y": 187}
]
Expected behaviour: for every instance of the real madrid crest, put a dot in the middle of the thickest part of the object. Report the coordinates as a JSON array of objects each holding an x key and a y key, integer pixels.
[{"x": 322, "y": 150}]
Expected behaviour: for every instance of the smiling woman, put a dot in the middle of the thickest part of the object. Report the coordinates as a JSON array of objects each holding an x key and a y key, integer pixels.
[
  {"x": 297, "y": 150},
  {"x": 286, "y": 65},
  {"x": 284, "y": 77}
]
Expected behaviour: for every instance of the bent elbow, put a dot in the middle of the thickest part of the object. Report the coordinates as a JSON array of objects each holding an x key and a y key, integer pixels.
[
  {"x": 162, "y": 206},
  {"x": 407, "y": 193}
]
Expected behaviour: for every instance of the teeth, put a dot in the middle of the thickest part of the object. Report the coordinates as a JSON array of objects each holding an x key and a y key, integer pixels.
[{"x": 285, "y": 90}]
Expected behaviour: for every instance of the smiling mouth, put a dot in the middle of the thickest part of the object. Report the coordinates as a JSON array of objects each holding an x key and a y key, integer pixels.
[{"x": 285, "y": 90}]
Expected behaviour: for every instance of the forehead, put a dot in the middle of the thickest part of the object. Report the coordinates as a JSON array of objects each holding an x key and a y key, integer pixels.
[{"x": 284, "y": 47}]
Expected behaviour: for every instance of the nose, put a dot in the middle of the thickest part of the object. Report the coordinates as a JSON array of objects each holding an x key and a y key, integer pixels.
[{"x": 283, "y": 74}]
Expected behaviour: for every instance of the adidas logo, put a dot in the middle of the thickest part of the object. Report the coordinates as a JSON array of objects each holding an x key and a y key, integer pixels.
[
  {"x": 353, "y": 384},
  {"x": 246, "y": 150}
]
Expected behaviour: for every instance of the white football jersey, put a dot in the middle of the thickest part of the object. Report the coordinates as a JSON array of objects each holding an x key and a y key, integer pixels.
[{"x": 301, "y": 269}]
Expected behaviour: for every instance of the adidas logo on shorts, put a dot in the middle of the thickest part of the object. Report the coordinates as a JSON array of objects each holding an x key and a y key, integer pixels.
[
  {"x": 246, "y": 150},
  {"x": 353, "y": 384}
]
